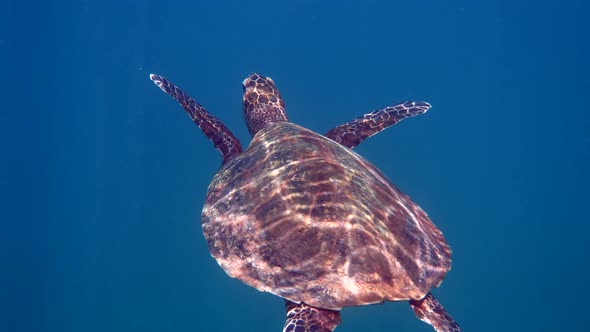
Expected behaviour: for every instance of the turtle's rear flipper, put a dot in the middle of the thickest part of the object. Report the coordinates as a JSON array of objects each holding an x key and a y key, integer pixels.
[
  {"x": 304, "y": 318},
  {"x": 354, "y": 132},
  {"x": 429, "y": 310}
]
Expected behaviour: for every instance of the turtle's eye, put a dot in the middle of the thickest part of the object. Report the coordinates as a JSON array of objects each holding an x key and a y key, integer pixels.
[{"x": 248, "y": 83}]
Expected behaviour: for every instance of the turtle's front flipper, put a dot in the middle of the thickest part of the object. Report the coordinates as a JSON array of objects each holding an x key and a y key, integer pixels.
[
  {"x": 304, "y": 318},
  {"x": 429, "y": 310},
  {"x": 354, "y": 132},
  {"x": 217, "y": 132}
]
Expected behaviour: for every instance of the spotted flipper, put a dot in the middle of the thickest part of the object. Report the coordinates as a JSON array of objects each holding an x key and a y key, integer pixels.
[
  {"x": 304, "y": 318},
  {"x": 217, "y": 132},
  {"x": 429, "y": 310},
  {"x": 354, "y": 132}
]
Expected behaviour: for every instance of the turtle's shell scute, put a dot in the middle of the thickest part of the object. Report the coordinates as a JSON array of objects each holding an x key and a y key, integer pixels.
[{"x": 307, "y": 219}]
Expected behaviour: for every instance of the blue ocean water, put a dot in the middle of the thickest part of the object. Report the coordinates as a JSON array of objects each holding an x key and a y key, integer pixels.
[{"x": 104, "y": 176}]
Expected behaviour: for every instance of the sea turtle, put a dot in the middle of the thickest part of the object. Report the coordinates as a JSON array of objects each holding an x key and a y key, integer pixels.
[{"x": 302, "y": 216}]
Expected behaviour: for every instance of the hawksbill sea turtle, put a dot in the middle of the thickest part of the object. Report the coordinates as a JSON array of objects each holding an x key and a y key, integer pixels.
[{"x": 302, "y": 216}]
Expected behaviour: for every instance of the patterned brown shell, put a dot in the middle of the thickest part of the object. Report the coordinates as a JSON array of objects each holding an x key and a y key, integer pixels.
[{"x": 303, "y": 217}]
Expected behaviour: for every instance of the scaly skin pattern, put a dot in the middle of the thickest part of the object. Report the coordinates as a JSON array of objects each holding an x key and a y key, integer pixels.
[
  {"x": 304, "y": 318},
  {"x": 356, "y": 131},
  {"x": 309, "y": 220},
  {"x": 262, "y": 103},
  {"x": 430, "y": 311},
  {"x": 215, "y": 130}
]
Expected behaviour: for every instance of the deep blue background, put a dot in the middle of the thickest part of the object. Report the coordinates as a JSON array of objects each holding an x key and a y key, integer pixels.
[{"x": 103, "y": 176}]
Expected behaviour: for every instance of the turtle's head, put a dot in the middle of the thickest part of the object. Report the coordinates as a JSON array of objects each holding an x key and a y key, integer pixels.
[{"x": 262, "y": 103}]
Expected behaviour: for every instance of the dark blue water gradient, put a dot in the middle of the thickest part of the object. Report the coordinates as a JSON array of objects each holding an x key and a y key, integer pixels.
[{"x": 104, "y": 176}]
